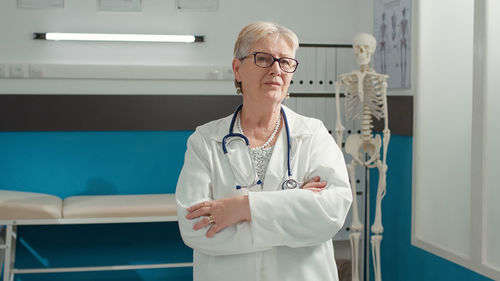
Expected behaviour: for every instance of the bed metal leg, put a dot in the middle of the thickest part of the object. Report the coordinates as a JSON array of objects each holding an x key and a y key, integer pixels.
[
  {"x": 7, "y": 268},
  {"x": 13, "y": 251},
  {"x": 2, "y": 246}
]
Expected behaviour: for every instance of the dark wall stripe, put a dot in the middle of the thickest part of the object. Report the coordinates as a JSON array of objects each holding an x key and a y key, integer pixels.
[
  {"x": 400, "y": 116},
  {"x": 111, "y": 112},
  {"x": 144, "y": 112}
]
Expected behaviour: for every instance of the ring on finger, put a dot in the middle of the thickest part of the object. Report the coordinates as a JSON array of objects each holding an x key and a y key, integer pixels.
[{"x": 210, "y": 219}]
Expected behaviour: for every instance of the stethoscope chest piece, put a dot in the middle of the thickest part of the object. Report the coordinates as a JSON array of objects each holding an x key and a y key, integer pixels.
[{"x": 290, "y": 184}]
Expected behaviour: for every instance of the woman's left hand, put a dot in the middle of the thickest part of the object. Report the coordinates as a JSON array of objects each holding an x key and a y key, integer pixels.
[
  {"x": 220, "y": 213},
  {"x": 314, "y": 184}
]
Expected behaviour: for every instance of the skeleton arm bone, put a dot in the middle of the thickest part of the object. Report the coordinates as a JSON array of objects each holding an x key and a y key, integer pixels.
[{"x": 387, "y": 132}]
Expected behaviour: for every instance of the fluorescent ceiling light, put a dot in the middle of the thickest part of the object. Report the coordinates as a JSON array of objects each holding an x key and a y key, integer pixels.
[{"x": 119, "y": 37}]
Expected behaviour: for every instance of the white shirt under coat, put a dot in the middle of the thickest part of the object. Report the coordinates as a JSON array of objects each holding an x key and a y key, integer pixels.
[{"x": 290, "y": 235}]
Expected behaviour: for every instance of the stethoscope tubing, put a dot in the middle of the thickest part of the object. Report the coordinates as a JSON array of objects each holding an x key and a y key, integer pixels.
[
  {"x": 289, "y": 147},
  {"x": 230, "y": 135}
]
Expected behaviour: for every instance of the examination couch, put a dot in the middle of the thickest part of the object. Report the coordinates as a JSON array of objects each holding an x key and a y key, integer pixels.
[{"x": 28, "y": 208}]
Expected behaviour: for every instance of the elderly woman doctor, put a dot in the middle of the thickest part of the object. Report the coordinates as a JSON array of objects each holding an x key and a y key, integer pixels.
[{"x": 280, "y": 225}]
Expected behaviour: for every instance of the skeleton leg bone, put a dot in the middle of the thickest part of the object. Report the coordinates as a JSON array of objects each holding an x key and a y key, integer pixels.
[
  {"x": 355, "y": 238},
  {"x": 377, "y": 227},
  {"x": 356, "y": 224},
  {"x": 375, "y": 242}
]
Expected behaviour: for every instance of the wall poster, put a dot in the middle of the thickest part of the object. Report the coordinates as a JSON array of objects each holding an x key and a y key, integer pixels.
[{"x": 392, "y": 29}]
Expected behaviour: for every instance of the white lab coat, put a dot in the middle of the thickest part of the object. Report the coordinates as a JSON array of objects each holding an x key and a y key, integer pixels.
[{"x": 290, "y": 235}]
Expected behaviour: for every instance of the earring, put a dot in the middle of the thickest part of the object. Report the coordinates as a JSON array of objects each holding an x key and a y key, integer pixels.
[
  {"x": 287, "y": 95},
  {"x": 238, "y": 87}
]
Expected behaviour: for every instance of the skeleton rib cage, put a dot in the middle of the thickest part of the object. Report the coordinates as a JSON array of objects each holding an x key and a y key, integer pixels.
[{"x": 371, "y": 96}]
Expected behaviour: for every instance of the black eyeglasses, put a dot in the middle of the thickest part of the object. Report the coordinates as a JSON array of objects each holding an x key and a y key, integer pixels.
[{"x": 265, "y": 60}]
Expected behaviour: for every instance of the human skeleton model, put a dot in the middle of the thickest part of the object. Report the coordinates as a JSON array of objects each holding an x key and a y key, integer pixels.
[{"x": 365, "y": 97}]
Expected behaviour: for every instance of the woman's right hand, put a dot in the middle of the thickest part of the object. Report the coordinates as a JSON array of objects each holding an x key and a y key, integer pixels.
[
  {"x": 220, "y": 213},
  {"x": 314, "y": 184}
]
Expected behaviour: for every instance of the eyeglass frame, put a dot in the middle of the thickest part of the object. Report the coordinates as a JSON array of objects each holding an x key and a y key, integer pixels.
[{"x": 254, "y": 54}]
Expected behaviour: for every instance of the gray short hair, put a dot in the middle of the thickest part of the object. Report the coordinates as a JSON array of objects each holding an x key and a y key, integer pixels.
[{"x": 258, "y": 30}]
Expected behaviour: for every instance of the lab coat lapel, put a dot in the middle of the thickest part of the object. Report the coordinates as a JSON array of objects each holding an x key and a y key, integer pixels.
[
  {"x": 293, "y": 152},
  {"x": 298, "y": 130},
  {"x": 277, "y": 168}
]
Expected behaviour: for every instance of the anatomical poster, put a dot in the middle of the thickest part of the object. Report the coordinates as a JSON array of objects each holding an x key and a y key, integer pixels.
[{"x": 392, "y": 29}]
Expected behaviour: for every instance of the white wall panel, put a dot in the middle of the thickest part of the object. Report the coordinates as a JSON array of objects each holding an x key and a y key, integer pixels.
[
  {"x": 456, "y": 214},
  {"x": 443, "y": 126},
  {"x": 492, "y": 138}
]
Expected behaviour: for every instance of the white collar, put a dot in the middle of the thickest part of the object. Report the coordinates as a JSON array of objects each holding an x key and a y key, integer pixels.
[{"x": 296, "y": 124}]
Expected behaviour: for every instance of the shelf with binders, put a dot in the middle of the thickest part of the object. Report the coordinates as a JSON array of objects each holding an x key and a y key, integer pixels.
[{"x": 319, "y": 67}]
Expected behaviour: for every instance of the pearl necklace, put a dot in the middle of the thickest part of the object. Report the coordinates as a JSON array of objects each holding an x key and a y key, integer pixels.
[{"x": 269, "y": 140}]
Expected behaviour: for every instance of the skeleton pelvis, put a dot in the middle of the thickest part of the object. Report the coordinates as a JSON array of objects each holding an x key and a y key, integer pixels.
[{"x": 356, "y": 146}]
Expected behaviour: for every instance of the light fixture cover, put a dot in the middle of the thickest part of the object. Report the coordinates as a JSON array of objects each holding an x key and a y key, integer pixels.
[{"x": 118, "y": 37}]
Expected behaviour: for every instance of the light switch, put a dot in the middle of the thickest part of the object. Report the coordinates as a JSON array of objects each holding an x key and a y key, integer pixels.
[
  {"x": 35, "y": 71},
  {"x": 18, "y": 70}
]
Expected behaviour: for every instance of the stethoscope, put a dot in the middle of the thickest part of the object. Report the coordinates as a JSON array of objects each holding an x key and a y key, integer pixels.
[{"x": 289, "y": 183}]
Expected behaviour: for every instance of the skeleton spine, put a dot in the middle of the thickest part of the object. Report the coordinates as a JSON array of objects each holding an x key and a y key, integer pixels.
[{"x": 366, "y": 124}]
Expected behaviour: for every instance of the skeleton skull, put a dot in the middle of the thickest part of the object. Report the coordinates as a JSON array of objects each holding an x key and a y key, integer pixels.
[{"x": 364, "y": 45}]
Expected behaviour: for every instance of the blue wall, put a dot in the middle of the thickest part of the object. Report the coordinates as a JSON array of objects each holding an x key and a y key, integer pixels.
[
  {"x": 71, "y": 163},
  {"x": 81, "y": 163},
  {"x": 74, "y": 163},
  {"x": 401, "y": 260}
]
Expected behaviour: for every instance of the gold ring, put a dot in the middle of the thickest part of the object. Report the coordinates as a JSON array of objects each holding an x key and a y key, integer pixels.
[{"x": 210, "y": 219}]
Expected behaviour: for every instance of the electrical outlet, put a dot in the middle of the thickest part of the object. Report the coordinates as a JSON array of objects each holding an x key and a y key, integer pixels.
[
  {"x": 212, "y": 74},
  {"x": 4, "y": 69},
  {"x": 35, "y": 71},
  {"x": 18, "y": 70}
]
